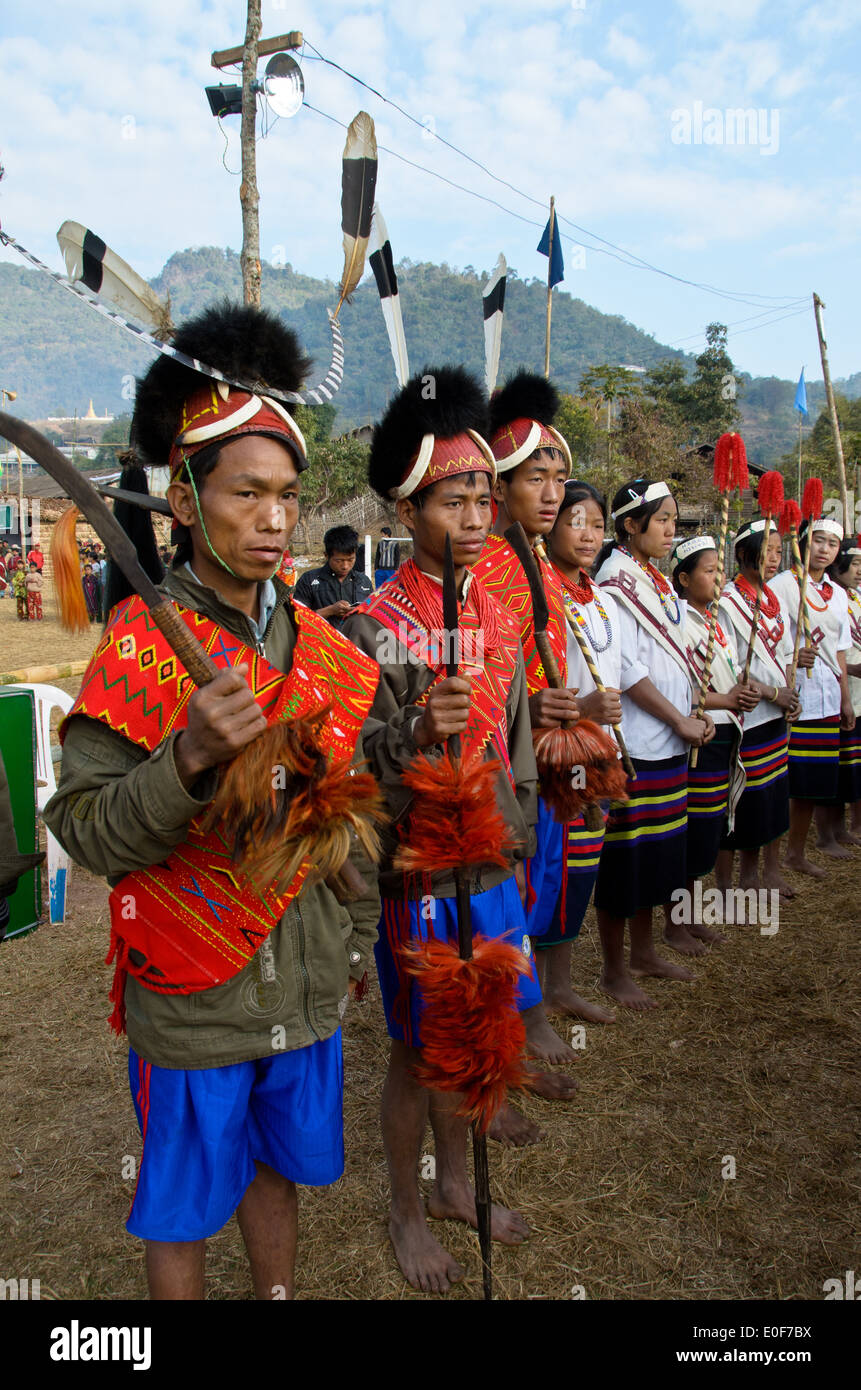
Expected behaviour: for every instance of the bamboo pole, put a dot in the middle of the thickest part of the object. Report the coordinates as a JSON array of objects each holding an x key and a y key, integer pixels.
[
  {"x": 42, "y": 675},
  {"x": 713, "y": 616},
  {"x": 818, "y": 306},
  {"x": 549, "y": 286}
]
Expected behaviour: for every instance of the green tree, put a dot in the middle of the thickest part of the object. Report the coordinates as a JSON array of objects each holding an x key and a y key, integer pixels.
[
  {"x": 116, "y": 433},
  {"x": 338, "y": 471},
  {"x": 606, "y": 385},
  {"x": 576, "y": 423},
  {"x": 713, "y": 407}
]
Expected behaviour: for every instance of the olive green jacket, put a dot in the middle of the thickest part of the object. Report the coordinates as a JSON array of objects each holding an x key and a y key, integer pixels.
[{"x": 117, "y": 809}]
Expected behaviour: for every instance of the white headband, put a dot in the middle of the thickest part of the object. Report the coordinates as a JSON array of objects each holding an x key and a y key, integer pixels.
[
  {"x": 690, "y": 547},
  {"x": 752, "y": 528},
  {"x": 827, "y": 524},
  {"x": 652, "y": 493},
  {"x": 852, "y": 550}
]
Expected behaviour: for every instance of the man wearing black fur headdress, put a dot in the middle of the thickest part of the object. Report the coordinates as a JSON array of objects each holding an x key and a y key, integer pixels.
[
  {"x": 429, "y": 456},
  {"x": 230, "y": 992}
]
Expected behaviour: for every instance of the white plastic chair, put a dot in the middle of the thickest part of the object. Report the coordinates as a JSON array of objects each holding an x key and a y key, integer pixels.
[{"x": 48, "y": 697}]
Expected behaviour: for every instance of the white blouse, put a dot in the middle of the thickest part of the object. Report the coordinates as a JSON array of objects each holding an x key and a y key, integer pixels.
[
  {"x": 820, "y": 695},
  {"x": 642, "y": 656},
  {"x": 760, "y": 671}
]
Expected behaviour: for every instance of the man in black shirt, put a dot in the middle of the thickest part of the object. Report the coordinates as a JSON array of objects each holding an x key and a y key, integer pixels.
[
  {"x": 338, "y": 587},
  {"x": 387, "y": 558}
]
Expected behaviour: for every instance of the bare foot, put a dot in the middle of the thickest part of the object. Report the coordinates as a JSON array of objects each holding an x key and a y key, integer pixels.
[
  {"x": 511, "y": 1129},
  {"x": 749, "y": 881},
  {"x": 622, "y": 988},
  {"x": 847, "y": 837},
  {"x": 771, "y": 881},
  {"x": 706, "y": 934},
  {"x": 803, "y": 866},
  {"x": 552, "y": 1085},
  {"x": 565, "y": 1001},
  {"x": 508, "y": 1227},
  {"x": 650, "y": 963},
  {"x": 677, "y": 935},
  {"x": 833, "y": 849},
  {"x": 421, "y": 1259},
  {"x": 544, "y": 1042}
]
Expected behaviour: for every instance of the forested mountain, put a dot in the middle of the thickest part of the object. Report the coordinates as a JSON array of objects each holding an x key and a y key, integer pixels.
[{"x": 58, "y": 354}]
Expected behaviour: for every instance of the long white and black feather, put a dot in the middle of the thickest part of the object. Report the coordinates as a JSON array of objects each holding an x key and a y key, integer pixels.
[
  {"x": 382, "y": 264},
  {"x": 493, "y": 306}
]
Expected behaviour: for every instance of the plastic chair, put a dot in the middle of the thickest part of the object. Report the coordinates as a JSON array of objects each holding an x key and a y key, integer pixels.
[{"x": 47, "y": 698}]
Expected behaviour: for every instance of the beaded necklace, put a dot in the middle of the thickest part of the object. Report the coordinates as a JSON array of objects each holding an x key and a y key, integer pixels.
[
  {"x": 824, "y": 589},
  {"x": 769, "y": 608},
  {"x": 570, "y": 597},
  {"x": 660, "y": 585}
]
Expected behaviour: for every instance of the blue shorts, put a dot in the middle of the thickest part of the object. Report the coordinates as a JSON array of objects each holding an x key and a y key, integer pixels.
[
  {"x": 203, "y": 1130},
  {"x": 544, "y": 872},
  {"x": 495, "y": 913}
]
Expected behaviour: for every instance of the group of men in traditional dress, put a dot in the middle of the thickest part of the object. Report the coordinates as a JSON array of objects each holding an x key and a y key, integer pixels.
[{"x": 232, "y": 996}]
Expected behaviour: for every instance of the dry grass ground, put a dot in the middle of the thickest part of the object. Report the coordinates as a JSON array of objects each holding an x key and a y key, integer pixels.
[{"x": 756, "y": 1061}]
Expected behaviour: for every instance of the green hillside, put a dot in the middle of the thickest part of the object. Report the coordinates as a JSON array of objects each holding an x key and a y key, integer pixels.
[{"x": 58, "y": 354}]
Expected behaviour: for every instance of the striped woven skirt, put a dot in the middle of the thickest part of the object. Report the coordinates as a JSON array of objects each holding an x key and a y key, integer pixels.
[
  {"x": 849, "y": 780},
  {"x": 708, "y": 796},
  {"x": 583, "y": 854},
  {"x": 762, "y": 814},
  {"x": 814, "y": 759},
  {"x": 644, "y": 856}
]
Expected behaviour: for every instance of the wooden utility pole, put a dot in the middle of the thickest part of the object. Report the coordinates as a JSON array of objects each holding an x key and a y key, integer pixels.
[
  {"x": 848, "y": 520},
  {"x": 249, "y": 196},
  {"x": 549, "y": 285}
]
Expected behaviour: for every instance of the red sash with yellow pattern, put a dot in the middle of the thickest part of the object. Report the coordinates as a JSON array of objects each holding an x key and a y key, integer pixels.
[
  {"x": 488, "y": 651},
  {"x": 195, "y": 919},
  {"x": 502, "y": 575}
]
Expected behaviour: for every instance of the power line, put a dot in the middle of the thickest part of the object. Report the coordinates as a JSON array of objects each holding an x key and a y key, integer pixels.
[{"x": 609, "y": 248}]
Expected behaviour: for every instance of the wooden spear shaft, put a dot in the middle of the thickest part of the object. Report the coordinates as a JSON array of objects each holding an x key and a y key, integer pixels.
[
  {"x": 713, "y": 616},
  {"x": 803, "y": 623},
  {"x": 818, "y": 306},
  {"x": 754, "y": 627}
]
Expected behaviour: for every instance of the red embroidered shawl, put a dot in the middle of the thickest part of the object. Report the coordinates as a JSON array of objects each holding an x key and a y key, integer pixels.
[
  {"x": 502, "y": 575},
  {"x": 195, "y": 918}
]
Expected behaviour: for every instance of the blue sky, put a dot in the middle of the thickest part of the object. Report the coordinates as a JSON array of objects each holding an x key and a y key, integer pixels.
[{"x": 623, "y": 111}]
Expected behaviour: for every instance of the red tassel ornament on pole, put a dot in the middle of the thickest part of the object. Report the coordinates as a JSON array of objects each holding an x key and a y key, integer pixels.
[
  {"x": 812, "y": 499},
  {"x": 729, "y": 471}
]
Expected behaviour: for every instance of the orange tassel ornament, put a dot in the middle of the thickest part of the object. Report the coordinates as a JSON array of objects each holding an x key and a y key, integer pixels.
[
  {"x": 66, "y": 565},
  {"x": 577, "y": 767}
]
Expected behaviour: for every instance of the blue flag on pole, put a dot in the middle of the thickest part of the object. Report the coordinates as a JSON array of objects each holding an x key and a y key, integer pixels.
[
  {"x": 801, "y": 395},
  {"x": 557, "y": 265}
]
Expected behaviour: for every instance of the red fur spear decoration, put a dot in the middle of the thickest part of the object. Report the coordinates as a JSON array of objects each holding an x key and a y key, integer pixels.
[
  {"x": 811, "y": 509},
  {"x": 473, "y": 1039},
  {"x": 770, "y": 498},
  {"x": 729, "y": 473}
]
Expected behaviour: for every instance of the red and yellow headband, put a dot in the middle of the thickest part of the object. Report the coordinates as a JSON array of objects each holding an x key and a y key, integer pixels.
[
  {"x": 445, "y": 458},
  {"x": 518, "y": 439},
  {"x": 217, "y": 412}
]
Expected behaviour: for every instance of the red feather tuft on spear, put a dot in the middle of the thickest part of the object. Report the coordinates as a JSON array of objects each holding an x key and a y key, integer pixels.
[
  {"x": 722, "y": 460},
  {"x": 812, "y": 499},
  {"x": 473, "y": 1039},
  {"x": 770, "y": 493},
  {"x": 577, "y": 767},
  {"x": 790, "y": 516},
  {"x": 455, "y": 822}
]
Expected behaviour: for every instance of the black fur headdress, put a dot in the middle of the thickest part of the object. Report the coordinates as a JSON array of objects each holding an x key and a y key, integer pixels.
[
  {"x": 525, "y": 396},
  {"x": 440, "y": 401},
  {"x": 247, "y": 344}
]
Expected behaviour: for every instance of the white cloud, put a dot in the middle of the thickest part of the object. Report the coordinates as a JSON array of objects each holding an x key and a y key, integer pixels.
[
  {"x": 728, "y": 17},
  {"x": 626, "y": 48}
]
